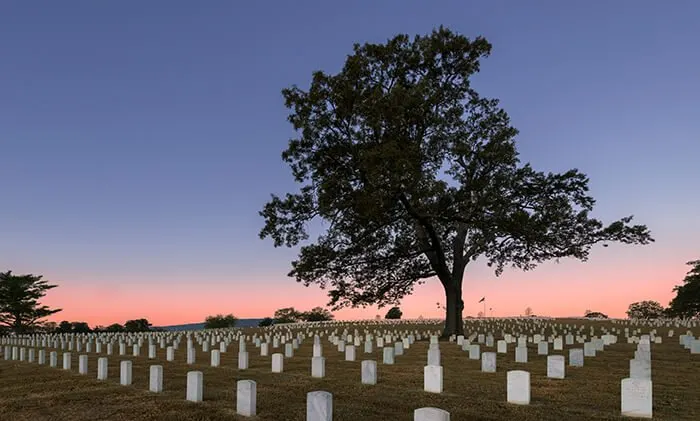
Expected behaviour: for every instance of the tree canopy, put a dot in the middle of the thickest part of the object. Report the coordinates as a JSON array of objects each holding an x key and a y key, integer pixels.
[
  {"x": 415, "y": 175},
  {"x": 220, "y": 321},
  {"x": 267, "y": 321},
  {"x": 287, "y": 315},
  {"x": 686, "y": 303},
  {"x": 317, "y": 314},
  {"x": 645, "y": 310},
  {"x": 20, "y": 309},
  {"x": 394, "y": 313},
  {"x": 137, "y": 325}
]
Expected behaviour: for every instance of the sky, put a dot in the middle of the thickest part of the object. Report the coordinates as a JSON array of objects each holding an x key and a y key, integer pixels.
[{"x": 139, "y": 140}]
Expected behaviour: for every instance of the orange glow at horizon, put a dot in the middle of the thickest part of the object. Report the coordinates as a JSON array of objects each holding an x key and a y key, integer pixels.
[{"x": 557, "y": 290}]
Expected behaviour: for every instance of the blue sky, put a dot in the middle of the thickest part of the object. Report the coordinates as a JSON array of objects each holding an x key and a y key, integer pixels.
[{"x": 140, "y": 139}]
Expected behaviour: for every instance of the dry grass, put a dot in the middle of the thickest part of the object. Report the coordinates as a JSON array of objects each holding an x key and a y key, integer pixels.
[{"x": 33, "y": 392}]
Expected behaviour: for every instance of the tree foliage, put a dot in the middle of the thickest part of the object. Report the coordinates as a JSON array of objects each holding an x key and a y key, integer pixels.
[
  {"x": 287, "y": 315},
  {"x": 415, "y": 175},
  {"x": 394, "y": 313},
  {"x": 220, "y": 321},
  {"x": 317, "y": 314},
  {"x": 686, "y": 303},
  {"x": 595, "y": 315},
  {"x": 267, "y": 321},
  {"x": 645, "y": 310},
  {"x": 20, "y": 309},
  {"x": 137, "y": 325},
  {"x": 115, "y": 327}
]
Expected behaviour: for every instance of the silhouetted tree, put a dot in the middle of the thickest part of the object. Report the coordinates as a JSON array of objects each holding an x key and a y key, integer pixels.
[
  {"x": 267, "y": 321},
  {"x": 595, "y": 315},
  {"x": 220, "y": 321},
  {"x": 417, "y": 175},
  {"x": 137, "y": 325},
  {"x": 528, "y": 311},
  {"x": 686, "y": 303},
  {"x": 64, "y": 327},
  {"x": 80, "y": 327},
  {"x": 645, "y": 310},
  {"x": 317, "y": 314},
  {"x": 393, "y": 313},
  {"x": 20, "y": 309},
  {"x": 115, "y": 327},
  {"x": 287, "y": 315}
]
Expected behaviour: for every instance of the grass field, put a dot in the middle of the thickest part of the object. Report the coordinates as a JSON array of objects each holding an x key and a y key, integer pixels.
[{"x": 32, "y": 392}]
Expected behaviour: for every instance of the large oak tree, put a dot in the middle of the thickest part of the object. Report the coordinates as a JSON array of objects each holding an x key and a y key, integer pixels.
[{"x": 417, "y": 175}]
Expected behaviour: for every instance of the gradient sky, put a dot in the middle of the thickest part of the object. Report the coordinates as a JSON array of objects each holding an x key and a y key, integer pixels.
[{"x": 139, "y": 139}]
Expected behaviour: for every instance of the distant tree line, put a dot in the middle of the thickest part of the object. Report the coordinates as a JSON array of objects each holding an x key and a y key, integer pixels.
[{"x": 21, "y": 312}]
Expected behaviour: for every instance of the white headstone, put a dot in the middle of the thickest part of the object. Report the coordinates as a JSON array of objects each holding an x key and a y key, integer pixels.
[
  {"x": 430, "y": 414},
  {"x": 277, "y": 362},
  {"x": 556, "y": 366},
  {"x": 434, "y": 356},
  {"x": 66, "y": 361},
  {"x": 576, "y": 357},
  {"x": 388, "y": 355},
  {"x": 243, "y": 360},
  {"x": 125, "y": 373},
  {"x": 350, "y": 353},
  {"x": 246, "y": 398},
  {"x": 83, "y": 364},
  {"x": 432, "y": 378},
  {"x": 215, "y": 357},
  {"x": 318, "y": 367},
  {"x": 518, "y": 388},
  {"x": 195, "y": 386},
  {"x": 640, "y": 369},
  {"x": 474, "y": 352},
  {"x": 319, "y": 406},
  {"x": 488, "y": 362},
  {"x": 155, "y": 383},
  {"x": 636, "y": 398},
  {"x": 102, "y": 368},
  {"x": 369, "y": 372}
]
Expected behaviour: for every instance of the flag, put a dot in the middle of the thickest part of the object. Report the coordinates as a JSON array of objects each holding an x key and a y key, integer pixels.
[{"x": 482, "y": 299}]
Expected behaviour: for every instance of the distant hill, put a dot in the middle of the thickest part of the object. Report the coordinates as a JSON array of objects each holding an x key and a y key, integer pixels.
[{"x": 200, "y": 326}]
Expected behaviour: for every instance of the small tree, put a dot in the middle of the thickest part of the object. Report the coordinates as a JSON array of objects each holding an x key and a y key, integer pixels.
[
  {"x": 645, "y": 310},
  {"x": 686, "y": 303},
  {"x": 48, "y": 327},
  {"x": 220, "y": 321},
  {"x": 480, "y": 314},
  {"x": 528, "y": 311},
  {"x": 115, "y": 327},
  {"x": 595, "y": 315},
  {"x": 64, "y": 327},
  {"x": 80, "y": 327},
  {"x": 393, "y": 313},
  {"x": 20, "y": 309},
  {"x": 267, "y": 321},
  {"x": 317, "y": 314},
  {"x": 137, "y": 325},
  {"x": 287, "y": 315}
]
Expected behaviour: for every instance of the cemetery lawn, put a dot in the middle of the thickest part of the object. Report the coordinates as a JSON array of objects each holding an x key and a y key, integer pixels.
[{"x": 29, "y": 391}]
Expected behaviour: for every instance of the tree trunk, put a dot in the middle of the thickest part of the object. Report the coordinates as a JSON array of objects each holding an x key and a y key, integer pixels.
[{"x": 454, "y": 323}]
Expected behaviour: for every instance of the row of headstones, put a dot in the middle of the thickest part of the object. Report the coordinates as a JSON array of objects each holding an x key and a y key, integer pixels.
[
  {"x": 319, "y": 405},
  {"x": 636, "y": 390}
]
